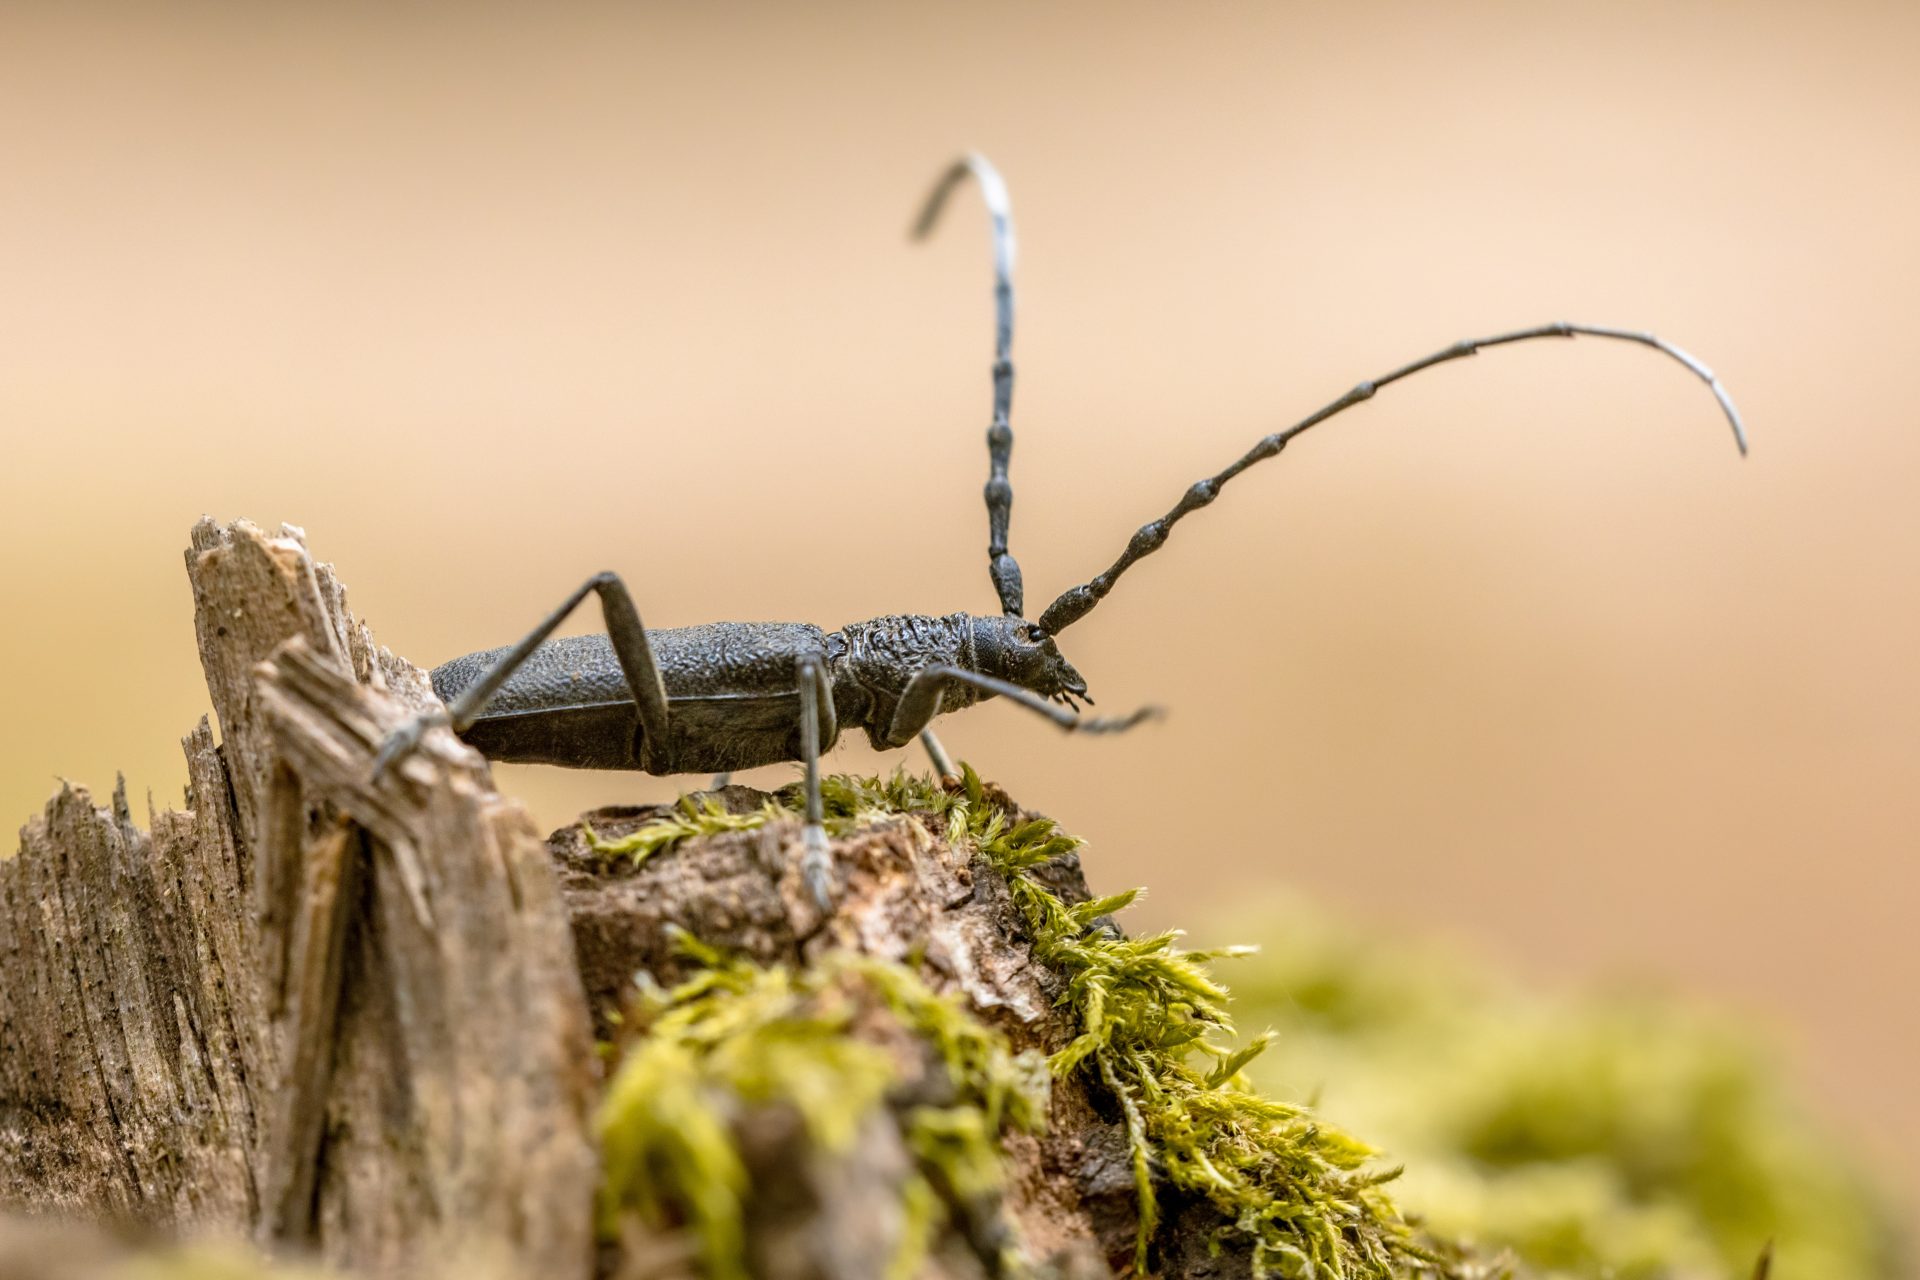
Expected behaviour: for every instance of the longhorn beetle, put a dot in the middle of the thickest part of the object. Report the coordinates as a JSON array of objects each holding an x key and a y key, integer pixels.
[{"x": 733, "y": 695}]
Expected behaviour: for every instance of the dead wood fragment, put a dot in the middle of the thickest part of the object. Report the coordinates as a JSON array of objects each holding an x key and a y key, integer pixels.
[{"x": 182, "y": 1033}]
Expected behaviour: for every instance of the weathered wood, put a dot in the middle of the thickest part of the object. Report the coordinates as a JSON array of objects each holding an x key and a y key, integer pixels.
[
  {"x": 116, "y": 1096},
  {"x": 309, "y": 1006},
  {"x": 377, "y": 1043},
  {"x": 476, "y": 1030}
]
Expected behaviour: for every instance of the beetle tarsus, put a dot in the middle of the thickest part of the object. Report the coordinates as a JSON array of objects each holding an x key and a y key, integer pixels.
[{"x": 404, "y": 739}]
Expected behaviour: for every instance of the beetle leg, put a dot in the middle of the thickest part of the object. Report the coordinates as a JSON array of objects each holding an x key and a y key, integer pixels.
[
  {"x": 630, "y": 646},
  {"x": 816, "y": 706},
  {"x": 921, "y": 703},
  {"x": 942, "y": 762}
]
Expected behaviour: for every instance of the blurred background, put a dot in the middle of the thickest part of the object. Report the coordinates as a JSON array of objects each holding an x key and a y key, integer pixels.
[{"x": 1519, "y": 656}]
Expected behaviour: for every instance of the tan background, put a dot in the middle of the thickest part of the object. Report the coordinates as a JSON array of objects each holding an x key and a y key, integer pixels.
[{"x": 1520, "y": 652}]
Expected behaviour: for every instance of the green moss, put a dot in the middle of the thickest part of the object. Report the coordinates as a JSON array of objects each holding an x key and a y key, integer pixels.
[
  {"x": 737, "y": 1036},
  {"x": 850, "y": 803},
  {"x": 698, "y": 814},
  {"x": 1154, "y": 1031},
  {"x": 1622, "y": 1134}
]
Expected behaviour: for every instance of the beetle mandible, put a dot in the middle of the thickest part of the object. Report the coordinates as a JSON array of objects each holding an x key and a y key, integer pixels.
[{"x": 733, "y": 695}]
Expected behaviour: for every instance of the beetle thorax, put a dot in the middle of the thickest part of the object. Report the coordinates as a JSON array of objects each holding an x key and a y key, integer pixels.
[{"x": 872, "y": 661}]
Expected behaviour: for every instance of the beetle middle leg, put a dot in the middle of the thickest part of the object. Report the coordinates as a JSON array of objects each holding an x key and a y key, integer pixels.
[
  {"x": 630, "y": 646},
  {"x": 920, "y": 703},
  {"x": 943, "y": 765}
]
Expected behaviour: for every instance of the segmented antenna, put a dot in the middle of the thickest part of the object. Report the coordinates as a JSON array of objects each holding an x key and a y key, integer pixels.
[
  {"x": 1001, "y": 565},
  {"x": 1076, "y": 602}
]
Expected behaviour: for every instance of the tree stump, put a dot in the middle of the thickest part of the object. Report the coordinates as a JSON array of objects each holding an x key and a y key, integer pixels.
[{"x": 358, "y": 1020}]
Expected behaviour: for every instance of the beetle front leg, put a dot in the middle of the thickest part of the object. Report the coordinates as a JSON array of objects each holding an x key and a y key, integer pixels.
[
  {"x": 817, "y": 720},
  {"x": 920, "y": 703}
]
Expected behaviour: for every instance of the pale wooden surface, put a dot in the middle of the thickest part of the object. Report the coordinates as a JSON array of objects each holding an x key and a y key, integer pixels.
[{"x": 182, "y": 1034}]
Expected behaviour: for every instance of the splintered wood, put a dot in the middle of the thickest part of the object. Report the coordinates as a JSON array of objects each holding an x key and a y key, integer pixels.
[{"x": 300, "y": 961}]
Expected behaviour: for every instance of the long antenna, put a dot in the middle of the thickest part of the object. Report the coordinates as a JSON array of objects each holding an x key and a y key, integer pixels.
[
  {"x": 1076, "y": 602},
  {"x": 1001, "y": 565}
]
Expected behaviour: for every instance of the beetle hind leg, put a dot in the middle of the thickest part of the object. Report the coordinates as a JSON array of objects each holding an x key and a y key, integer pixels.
[{"x": 630, "y": 646}]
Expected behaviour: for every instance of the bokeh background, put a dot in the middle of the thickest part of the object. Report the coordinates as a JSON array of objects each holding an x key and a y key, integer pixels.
[{"x": 1519, "y": 655}]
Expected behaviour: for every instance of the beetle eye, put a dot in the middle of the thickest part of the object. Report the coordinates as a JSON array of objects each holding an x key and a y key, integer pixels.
[{"x": 1035, "y": 634}]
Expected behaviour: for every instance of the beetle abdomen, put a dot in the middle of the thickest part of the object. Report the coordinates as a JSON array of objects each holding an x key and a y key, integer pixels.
[
  {"x": 568, "y": 705},
  {"x": 732, "y": 698},
  {"x": 572, "y": 671},
  {"x": 593, "y": 736}
]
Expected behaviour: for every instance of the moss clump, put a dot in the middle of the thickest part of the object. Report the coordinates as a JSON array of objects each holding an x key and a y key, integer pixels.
[
  {"x": 1154, "y": 1026},
  {"x": 850, "y": 803},
  {"x": 697, "y": 814},
  {"x": 1620, "y": 1134},
  {"x": 1152, "y": 1030},
  {"x": 737, "y": 1036}
]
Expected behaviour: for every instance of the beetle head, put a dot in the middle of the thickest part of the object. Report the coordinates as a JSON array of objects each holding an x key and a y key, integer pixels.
[{"x": 1015, "y": 650}]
